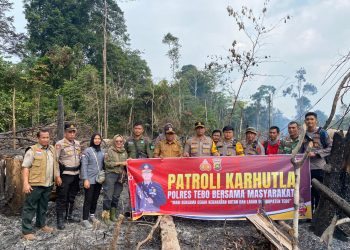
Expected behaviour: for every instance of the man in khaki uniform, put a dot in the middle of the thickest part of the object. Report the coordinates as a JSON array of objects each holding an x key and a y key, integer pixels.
[
  {"x": 200, "y": 144},
  {"x": 68, "y": 155},
  {"x": 168, "y": 147},
  {"x": 40, "y": 170},
  {"x": 251, "y": 144},
  {"x": 229, "y": 146}
]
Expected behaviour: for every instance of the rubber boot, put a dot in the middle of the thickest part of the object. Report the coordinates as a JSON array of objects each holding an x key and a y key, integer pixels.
[
  {"x": 106, "y": 217},
  {"x": 112, "y": 214},
  {"x": 60, "y": 222}
]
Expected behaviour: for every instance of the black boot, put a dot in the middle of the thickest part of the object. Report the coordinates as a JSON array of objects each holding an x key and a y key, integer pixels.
[
  {"x": 69, "y": 215},
  {"x": 60, "y": 222}
]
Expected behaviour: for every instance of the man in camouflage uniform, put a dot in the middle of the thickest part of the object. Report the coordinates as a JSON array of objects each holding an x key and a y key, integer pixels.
[
  {"x": 229, "y": 146},
  {"x": 168, "y": 147},
  {"x": 200, "y": 144},
  {"x": 251, "y": 145},
  {"x": 290, "y": 142},
  {"x": 68, "y": 155},
  {"x": 138, "y": 146}
]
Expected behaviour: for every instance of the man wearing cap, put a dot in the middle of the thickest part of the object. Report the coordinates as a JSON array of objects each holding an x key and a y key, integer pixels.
[
  {"x": 68, "y": 155},
  {"x": 229, "y": 146},
  {"x": 200, "y": 144},
  {"x": 138, "y": 146},
  {"x": 168, "y": 147},
  {"x": 251, "y": 145},
  {"x": 149, "y": 195}
]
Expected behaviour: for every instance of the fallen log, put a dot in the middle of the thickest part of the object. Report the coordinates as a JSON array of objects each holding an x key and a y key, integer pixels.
[
  {"x": 168, "y": 234},
  {"x": 330, "y": 195},
  {"x": 271, "y": 232}
]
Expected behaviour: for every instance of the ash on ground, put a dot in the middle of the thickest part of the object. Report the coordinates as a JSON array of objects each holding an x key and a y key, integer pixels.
[{"x": 192, "y": 234}]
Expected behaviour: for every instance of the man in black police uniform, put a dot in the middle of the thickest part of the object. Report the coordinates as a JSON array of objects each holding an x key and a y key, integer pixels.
[
  {"x": 68, "y": 155},
  {"x": 149, "y": 195}
]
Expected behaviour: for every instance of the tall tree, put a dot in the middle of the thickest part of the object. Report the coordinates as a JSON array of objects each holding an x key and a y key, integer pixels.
[
  {"x": 72, "y": 22},
  {"x": 11, "y": 42},
  {"x": 299, "y": 92}
]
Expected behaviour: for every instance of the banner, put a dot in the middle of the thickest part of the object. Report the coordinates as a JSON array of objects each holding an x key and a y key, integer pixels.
[{"x": 217, "y": 188}]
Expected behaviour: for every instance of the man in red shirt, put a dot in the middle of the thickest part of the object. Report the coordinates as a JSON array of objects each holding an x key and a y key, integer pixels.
[{"x": 272, "y": 144}]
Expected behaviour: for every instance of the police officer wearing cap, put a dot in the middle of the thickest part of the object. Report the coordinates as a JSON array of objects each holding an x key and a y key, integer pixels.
[
  {"x": 251, "y": 144},
  {"x": 169, "y": 146},
  {"x": 149, "y": 195},
  {"x": 138, "y": 146},
  {"x": 200, "y": 144},
  {"x": 68, "y": 155},
  {"x": 229, "y": 146}
]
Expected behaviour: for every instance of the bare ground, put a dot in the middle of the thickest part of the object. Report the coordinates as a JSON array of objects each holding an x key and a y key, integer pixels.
[{"x": 192, "y": 234}]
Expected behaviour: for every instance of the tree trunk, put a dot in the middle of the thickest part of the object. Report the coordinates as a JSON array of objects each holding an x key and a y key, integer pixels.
[
  {"x": 104, "y": 55},
  {"x": 337, "y": 180},
  {"x": 60, "y": 118},
  {"x": 14, "y": 196},
  {"x": 14, "y": 117},
  {"x": 169, "y": 234}
]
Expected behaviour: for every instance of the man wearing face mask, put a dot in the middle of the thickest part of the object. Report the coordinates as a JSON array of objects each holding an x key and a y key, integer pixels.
[{"x": 68, "y": 155}]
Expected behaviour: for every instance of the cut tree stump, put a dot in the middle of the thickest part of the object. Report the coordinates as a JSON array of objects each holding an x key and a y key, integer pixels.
[
  {"x": 337, "y": 180},
  {"x": 13, "y": 196},
  {"x": 168, "y": 233}
]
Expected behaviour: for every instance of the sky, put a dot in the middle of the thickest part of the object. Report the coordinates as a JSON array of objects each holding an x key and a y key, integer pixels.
[{"x": 314, "y": 38}]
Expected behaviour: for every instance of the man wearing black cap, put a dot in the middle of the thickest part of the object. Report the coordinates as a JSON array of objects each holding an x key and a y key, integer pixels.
[
  {"x": 168, "y": 147},
  {"x": 149, "y": 195},
  {"x": 251, "y": 145},
  {"x": 68, "y": 155},
  {"x": 200, "y": 144},
  {"x": 230, "y": 146},
  {"x": 321, "y": 145}
]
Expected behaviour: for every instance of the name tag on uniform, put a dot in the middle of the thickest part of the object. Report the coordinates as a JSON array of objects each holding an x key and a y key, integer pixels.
[
  {"x": 38, "y": 152},
  {"x": 130, "y": 142}
]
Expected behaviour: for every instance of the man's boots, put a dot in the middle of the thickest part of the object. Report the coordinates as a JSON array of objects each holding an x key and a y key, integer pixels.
[
  {"x": 69, "y": 215},
  {"x": 112, "y": 214},
  {"x": 60, "y": 222}
]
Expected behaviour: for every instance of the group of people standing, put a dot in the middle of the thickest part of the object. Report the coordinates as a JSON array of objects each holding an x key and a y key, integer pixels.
[{"x": 65, "y": 165}]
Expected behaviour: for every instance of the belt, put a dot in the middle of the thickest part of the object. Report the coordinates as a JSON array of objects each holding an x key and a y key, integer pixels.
[{"x": 70, "y": 168}]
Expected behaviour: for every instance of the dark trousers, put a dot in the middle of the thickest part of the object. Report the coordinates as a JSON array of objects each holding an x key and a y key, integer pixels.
[
  {"x": 35, "y": 204},
  {"x": 66, "y": 194},
  {"x": 90, "y": 200},
  {"x": 317, "y": 174},
  {"x": 112, "y": 190}
]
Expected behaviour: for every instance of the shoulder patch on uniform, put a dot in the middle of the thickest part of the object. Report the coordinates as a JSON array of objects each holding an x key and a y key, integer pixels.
[{"x": 58, "y": 146}]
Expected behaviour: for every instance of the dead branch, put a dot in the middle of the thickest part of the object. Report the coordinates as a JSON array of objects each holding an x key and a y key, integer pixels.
[
  {"x": 336, "y": 99},
  {"x": 333, "y": 197},
  {"x": 150, "y": 235},
  {"x": 116, "y": 232}
]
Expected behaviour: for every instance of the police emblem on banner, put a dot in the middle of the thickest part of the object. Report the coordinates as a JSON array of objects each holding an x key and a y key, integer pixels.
[
  {"x": 205, "y": 165},
  {"x": 217, "y": 164}
]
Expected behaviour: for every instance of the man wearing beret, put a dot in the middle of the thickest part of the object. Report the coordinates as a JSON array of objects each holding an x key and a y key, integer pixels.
[
  {"x": 68, "y": 155},
  {"x": 229, "y": 146},
  {"x": 149, "y": 195},
  {"x": 170, "y": 146},
  {"x": 251, "y": 144},
  {"x": 200, "y": 144}
]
